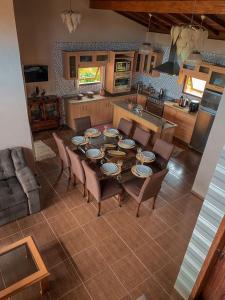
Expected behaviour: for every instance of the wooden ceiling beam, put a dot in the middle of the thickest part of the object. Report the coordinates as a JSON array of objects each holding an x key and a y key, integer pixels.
[
  {"x": 162, "y": 19},
  {"x": 162, "y": 6},
  {"x": 216, "y": 20},
  {"x": 144, "y": 21}
]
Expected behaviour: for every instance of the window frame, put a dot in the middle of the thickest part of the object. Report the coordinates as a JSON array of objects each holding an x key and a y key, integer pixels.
[
  {"x": 90, "y": 83},
  {"x": 185, "y": 87}
]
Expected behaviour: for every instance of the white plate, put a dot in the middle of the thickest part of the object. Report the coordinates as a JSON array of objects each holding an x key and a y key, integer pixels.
[
  {"x": 93, "y": 153},
  {"x": 111, "y": 132},
  {"x": 77, "y": 140},
  {"x": 143, "y": 170},
  {"x": 127, "y": 143},
  {"x": 148, "y": 155},
  {"x": 92, "y": 131},
  {"x": 109, "y": 168}
]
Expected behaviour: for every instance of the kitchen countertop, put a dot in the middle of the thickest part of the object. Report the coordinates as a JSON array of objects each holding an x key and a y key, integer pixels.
[
  {"x": 176, "y": 106},
  {"x": 159, "y": 122}
]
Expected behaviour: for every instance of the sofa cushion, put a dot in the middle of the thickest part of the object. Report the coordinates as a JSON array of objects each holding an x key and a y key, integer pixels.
[
  {"x": 6, "y": 165},
  {"x": 11, "y": 193},
  {"x": 18, "y": 158}
]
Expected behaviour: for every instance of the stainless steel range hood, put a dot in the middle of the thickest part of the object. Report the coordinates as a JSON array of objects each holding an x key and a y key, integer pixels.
[{"x": 170, "y": 67}]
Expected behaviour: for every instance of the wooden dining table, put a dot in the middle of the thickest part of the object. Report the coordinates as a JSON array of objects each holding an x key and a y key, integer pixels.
[{"x": 128, "y": 160}]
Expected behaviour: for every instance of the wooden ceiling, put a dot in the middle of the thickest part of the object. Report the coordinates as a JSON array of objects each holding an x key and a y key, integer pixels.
[{"x": 166, "y": 13}]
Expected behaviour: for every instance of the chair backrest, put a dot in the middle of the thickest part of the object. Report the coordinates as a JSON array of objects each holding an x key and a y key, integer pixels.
[
  {"x": 81, "y": 124},
  {"x": 92, "y": 181},
  {"x": 163, "y": 148},
  {"x": 62, "y": 150},
  {"x": 76, "y": 165},
  {"x": 152, "y": 185},
  {"x": 141, "y": 136},
  {"x": 125, "y": 126}
]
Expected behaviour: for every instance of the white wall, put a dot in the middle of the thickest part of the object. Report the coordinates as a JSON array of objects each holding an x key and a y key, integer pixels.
[
  {"x": 212, "y": 152},
  {"x": 39, "y": 26},
  {"x": 14, "y": 125}
]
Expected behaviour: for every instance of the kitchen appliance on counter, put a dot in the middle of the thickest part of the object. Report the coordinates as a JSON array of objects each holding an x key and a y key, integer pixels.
[
  {"x": 193, "y": 106},
  {"x": 205, "y": 118}
]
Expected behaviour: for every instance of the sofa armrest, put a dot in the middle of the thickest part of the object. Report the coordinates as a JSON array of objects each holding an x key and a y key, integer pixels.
[{"x": 27, "y": 180}]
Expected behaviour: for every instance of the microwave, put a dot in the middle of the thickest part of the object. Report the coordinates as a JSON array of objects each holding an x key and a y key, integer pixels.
[{"x": 123, "y": 66}]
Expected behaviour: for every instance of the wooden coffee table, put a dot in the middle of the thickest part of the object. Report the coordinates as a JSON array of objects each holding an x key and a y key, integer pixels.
[{"x": 21, "y": 265}]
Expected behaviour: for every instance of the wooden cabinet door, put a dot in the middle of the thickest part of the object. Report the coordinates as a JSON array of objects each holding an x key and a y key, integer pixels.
[
  {"x": 169, "y": 113},
  {"x": 70, "y": 65}
]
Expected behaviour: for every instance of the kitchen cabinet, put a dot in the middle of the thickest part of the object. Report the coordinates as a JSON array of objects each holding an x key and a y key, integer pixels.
[
  {"x": 145, "y": 63},
  {"x": 70, "y": 65},
  {"x": 119, "y": 72},
  {"x": 214, "y": 75},
  {"x": 74, "y": 60},
  {"x": 185, "y": 122}
]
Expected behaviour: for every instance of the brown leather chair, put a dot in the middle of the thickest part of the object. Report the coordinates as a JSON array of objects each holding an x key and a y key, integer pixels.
[
  {"x": 142, "y": 190},
  {"x": 163, "y": 151},
  {"x": 81, "y": 124},
  {"x": 100, "y": 189},
  {"x": 141, "y": 136},
  {"x": 65, "y": 163},
  {"x": 125, "y": 126},
  {"x": 76, "y": 167}
]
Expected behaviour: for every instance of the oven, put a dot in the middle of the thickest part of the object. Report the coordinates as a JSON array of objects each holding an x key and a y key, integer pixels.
[
  {"x": 123, "y": 66},
  {"x": 155, "y": 106},
  {"x": 122, "y": 83}
]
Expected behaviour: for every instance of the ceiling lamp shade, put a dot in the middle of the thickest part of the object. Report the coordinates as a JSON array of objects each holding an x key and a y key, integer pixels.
[
  {"x": 189, "y": 39},
  {"x": 146, "y": 47},
  {"x": 71, "y": 19}
]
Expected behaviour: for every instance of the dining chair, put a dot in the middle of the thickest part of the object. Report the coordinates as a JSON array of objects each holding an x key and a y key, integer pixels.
[
  {"x": 81, "y": 124},
  {"x": 141, "y": 136},
  {"x": 125, "y": 126},
  {"x": 142, "y": 190},
  {"x": 64, "y": 159},
  {"x": 163, "y": 151},
  {"x": 100, "y": 189},
  {"x": 76, "y": 168}
]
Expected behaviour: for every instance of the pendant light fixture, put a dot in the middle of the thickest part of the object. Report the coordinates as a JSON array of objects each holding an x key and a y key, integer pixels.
[
  {"x": 146, "y": 47},
  {"x": 189, "y": 40},
  {"x": 71, "y": 18}
]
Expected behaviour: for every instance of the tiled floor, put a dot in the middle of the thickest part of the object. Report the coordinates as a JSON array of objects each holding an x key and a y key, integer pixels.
[{"x": 115, "y": 256}]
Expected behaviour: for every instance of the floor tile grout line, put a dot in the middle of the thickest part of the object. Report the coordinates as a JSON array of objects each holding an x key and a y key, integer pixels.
[
  {"x": 68, "y": 257},
  {"x": 136, "y": 257}
]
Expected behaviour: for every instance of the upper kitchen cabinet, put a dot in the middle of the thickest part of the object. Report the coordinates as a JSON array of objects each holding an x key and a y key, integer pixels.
[
  {"x": 74, "y": 60},
  {"x": 145, "y": 63},
  {"x": 119, "y": 71},
  {"x": 70, "y": 65},
  {"x": 213, "y": 75}
]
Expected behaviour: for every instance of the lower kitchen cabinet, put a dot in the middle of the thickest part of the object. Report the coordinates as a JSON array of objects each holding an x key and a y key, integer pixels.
[{"x": 185, "y": 122}]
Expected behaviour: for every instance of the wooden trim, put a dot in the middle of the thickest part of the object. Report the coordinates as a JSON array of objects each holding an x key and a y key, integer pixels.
[
  {"x": 31, "y": 279},
  {"x": 209, "y": 262},
  {"x": 197, "y": 195},
  {"x": 164, "y": 6}
]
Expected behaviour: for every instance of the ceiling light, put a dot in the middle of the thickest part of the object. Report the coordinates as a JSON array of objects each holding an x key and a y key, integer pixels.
[
  {"x": 71, "y": 19},
  {"x": 146, "y": 47}
]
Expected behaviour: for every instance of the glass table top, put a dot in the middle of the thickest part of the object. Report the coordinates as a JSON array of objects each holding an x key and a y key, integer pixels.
[{"x": 15, "y": 265}]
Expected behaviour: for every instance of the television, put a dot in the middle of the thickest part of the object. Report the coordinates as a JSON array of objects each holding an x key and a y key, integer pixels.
[{"x": 35, "y": 73}]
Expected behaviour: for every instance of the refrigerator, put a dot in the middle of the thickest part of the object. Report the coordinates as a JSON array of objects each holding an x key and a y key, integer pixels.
[{"x": 205, "y": 118}]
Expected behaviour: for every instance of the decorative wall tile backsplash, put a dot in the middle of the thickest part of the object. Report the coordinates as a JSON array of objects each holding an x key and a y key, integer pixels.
[
  {"x": 167, "y": 82},
  {"x": 67, "y": 86}
]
